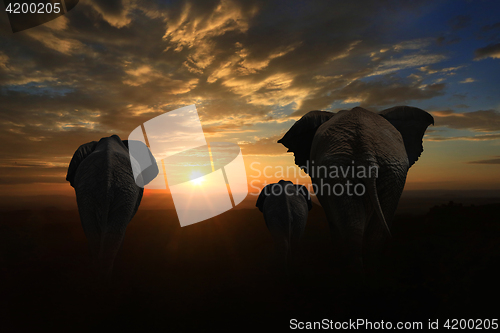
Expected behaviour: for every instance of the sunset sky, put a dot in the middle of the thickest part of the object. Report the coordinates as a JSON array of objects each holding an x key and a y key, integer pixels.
[{"x": 252, "y": 68}]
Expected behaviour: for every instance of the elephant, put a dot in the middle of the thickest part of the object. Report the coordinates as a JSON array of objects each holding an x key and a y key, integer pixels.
[
  {"x": 108, "y": 195},
  {"x": 385, "y": 146},
  {"x": 285, "y": 207}
]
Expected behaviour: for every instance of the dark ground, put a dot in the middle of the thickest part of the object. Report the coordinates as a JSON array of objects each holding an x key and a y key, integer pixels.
[{"x": 221, "y": 275}]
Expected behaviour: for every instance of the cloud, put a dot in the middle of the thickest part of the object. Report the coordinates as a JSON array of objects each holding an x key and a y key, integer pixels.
[
  {"x": 442, "y": 40},
  {"x": 460, "y": 97},
  {"x": 115, "y": 12},
  {"x": 468, "y": 80},
  {"x": 14, "y": 71},
  {"x": 66, "y": 46},
  {"x": 485, "y": 137},
  {"x": 264, "y": 146},
  {"x": 495, "y": 160},
  {"x": 490, "y": 27},
  {"x": 61, "y": 23},
  {"x": 224, "y": 129},
  {"x": 247, "y": 66},
  {"x": 197, "y": 30},
  {"x": 490, "y": 51},
  {"x": 408, "y": 61},
  {"x": 479, "y": 121},
  {"x": 388, "y": 92},
  {"x": 448, "y": 70},
  {"x": 415, "y": 44},
  {"x": 459, "y": 22}
]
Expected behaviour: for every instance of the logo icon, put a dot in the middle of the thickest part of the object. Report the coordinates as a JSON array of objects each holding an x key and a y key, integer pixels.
[{"x": 205, "y": 179}]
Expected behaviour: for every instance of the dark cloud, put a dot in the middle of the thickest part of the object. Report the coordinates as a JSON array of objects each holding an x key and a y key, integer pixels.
[
  {"x": 481, "y": 121},
  {"x": 485, "y": 137},
  {"x": 389, "y": 92},
  {"x": 442, "y": 40},
  {"x": 490, "y": 27},
  {"x": 110, "y": 6},
  {"x": 460, "y": 97},
  {"x": 489, "y": 161},
  {"x": 492, "y": 51},
  {"x": 459, "y": 22}
]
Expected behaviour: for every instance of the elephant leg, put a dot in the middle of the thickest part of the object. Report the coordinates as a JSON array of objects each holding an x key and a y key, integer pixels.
[
  {"x": 282, "y": 246},
  {"x": 110, "y": 245},
  {"x": 373, "y": 245},
  {"x": 91, "y": 221},
  {"x": 112, "y": 236},
  {"x": 347, "y": 218},
  {"x": 294, "y": 249},
  {"x": 389, "y": 191}
]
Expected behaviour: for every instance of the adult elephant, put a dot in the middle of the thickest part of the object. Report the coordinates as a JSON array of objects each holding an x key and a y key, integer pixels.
[
  {"x": 335, "y": 149},
  {"x": 107, "y": 193},
  {"x": 285, "y": 207}
]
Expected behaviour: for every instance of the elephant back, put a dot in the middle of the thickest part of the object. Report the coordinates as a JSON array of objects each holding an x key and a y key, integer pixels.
[
  {"x": 359, "y": 135},
  {"x": 285, "y": 191},
  {"x": 104, "y": 161}
]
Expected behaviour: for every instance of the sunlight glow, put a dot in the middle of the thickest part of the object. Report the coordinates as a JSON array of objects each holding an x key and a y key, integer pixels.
[{"x": 196, "y": 178}]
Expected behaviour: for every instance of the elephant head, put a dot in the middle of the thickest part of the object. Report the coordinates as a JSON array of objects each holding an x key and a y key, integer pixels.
[
  {"x": 285, "y": 207},
  {"x": 389, "y": 142},
  {"x": 107, "y": 193}
]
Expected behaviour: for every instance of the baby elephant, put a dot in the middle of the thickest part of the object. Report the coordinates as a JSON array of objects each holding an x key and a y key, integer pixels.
[{"x": 285, "y": 207}]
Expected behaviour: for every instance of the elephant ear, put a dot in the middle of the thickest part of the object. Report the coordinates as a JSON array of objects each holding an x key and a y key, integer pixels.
[
  {"x": 80, "y": 154},
  {"x": 266, "y": 191},
  {"x": 148, "y": 168},
  {"x": 303, "y": 190},
  {"x": 412, "y": 123},
  {"x": 300, "y": 136}
]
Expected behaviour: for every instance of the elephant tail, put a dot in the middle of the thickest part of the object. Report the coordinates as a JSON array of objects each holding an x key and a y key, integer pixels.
[{"x": 371, "y": 188}]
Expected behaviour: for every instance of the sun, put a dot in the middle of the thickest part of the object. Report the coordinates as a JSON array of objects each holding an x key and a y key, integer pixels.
[{"x": 197, "y": 178}]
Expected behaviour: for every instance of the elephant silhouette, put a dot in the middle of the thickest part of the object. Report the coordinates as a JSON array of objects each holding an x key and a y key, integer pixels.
[
  {"x": 385, "y": 146},
  {"x": 107, "y": 194},
  {"x": 285, "y": 207}
]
